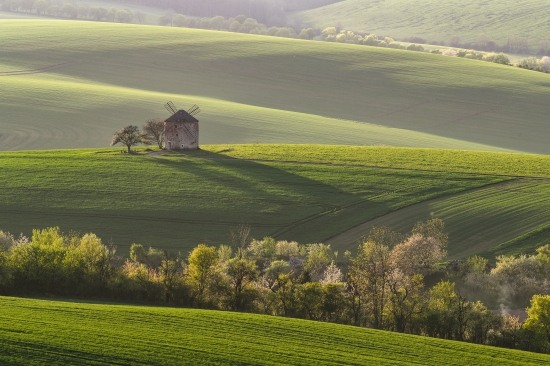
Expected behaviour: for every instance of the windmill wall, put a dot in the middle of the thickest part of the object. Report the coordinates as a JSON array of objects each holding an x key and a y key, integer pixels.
[{"x": 181, "y": 135}]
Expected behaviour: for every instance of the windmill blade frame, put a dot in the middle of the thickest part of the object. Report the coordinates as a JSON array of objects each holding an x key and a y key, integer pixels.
[
  {"x": 194, "y": 110},
  {"x": 170, "y": 107}
]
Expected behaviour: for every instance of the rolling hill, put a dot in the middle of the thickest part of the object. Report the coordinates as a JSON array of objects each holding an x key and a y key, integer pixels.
[
  {"x": 70, "y": 84},
  {"x": 307, "y": 193},
  {"x": 78, "y": 333},
  {"x": 436, "y": 20}
]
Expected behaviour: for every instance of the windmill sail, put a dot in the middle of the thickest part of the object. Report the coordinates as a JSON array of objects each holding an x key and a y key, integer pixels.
[
  {"x": 194, "y": 110},
  {"x": 170, "y": 107}
]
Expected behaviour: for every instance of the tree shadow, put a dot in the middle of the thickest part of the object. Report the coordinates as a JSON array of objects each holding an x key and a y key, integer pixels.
[{"x": 276, "y": 199}]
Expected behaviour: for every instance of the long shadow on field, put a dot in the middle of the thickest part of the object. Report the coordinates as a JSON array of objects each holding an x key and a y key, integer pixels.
[{"x": 277, "y": 200}]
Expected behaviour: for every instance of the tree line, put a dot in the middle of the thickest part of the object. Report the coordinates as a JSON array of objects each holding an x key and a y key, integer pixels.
[
  {"x": 244, "y": 24},
  {"x": 208, "y": 14},
  {"x": 72, "y": 11},
  {"x": 383, "y": 285}
]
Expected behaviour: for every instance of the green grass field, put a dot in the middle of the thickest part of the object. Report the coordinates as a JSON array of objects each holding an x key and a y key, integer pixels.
[
  {"x": 67, "y": 333},
  {"x": 80, "y": 81},
  {"x": 331, "y": 194},
  {"x": 478, "y": 221},
  {"x": 436, "y": 20},
  {"x": 180, "y": 201}
]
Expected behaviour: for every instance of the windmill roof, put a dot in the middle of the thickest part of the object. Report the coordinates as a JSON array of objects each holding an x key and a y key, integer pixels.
[{"x": 181, "y": 116}]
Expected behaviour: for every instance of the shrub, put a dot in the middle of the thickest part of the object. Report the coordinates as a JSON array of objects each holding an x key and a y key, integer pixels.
[
  {"x": 235, "y": 26},
  {"x": 500, "y": 58},
  {"x": 449, "y": 52},
  {"x": 370, "y": 40},
  {"x": 216, "y": 23},
  {"x": 179, "y": 20},
  {"x": 204, "y": 23},
  {"x": 330, "y": 31},
  {"x": 341, "y": 38},
  {"x": 414, "y": 47},
  {"x": 123, "y": 16},
  {"x": 531, "y": 63}
]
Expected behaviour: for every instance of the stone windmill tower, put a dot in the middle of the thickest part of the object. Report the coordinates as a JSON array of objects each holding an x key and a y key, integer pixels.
[{"x": 181, "y": 129}]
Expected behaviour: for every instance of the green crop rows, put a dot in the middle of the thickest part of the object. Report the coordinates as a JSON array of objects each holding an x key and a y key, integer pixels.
[
  {"x": 84, "y": 80},
  {"x": 68, "y": 333},
  {"x": 508, "y": 164},
  {"x": 515, "y": 214},
  {"x": 179, "y": 201}
]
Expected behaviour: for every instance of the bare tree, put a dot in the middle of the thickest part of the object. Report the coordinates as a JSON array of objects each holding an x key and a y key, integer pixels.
[
  {"x": 370, "y": 272},
  {"x": 128, "y": 136},
  {"x": 239, "y": 236},
  {"x": 153, "y": 132},
  {"x": 140, "y": 16},
  {"x": 171, "y": 270}
]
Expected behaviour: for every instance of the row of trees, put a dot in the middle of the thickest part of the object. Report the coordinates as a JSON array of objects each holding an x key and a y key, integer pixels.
[
  {"x": 382, "y": 286},
  {"x": 152, "y": 133},
  {"x": 72, "y": 11},
  {"x": 239, "y": 24},
  {"x": 533, "y": 63},
  {"x": 272, "y": 12},
  {"x": 261, "y": 12},
  {"x": 242, "y": 24}
]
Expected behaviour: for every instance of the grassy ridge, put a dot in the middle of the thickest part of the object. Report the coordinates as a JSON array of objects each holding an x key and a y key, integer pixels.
[
  {"x": 306, "y": 193},
  {"x": 437, "y": 20},
  {"x": 256, "y": 89},
  {"x": 68, "y": 333},
  {"x": 179, "y": 201},
  {"x": 517, "y": 165}
]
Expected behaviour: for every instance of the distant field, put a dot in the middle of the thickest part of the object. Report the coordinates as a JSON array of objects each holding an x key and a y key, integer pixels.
[
  {"x": 80, "y": 81},
  {"x": 78, "y": 333},
  {"x": 437, "y": 20},
  {"x": 179, "y": 201}
]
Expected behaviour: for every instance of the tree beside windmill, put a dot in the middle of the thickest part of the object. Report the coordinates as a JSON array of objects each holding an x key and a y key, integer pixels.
[{"x": 181, "y": 129}]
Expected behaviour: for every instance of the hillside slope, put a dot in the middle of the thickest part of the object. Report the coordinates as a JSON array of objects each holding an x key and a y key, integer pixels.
[
  {"x": 72, "y": 84},
  {"x": 69, "y": 333},
  {"x": 180, "y": 200},
  {"x": 307, "y": 193},
  {"x": 437, "y": 20}
]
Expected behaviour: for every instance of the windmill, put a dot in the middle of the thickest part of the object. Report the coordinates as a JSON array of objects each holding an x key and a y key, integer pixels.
[{"x": 185, "y": 122}]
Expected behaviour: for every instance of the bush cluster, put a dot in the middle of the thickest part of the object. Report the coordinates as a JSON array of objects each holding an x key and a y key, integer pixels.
[
  {"x": 382, "y": 286},
  {"x": 533, "y": 63}
]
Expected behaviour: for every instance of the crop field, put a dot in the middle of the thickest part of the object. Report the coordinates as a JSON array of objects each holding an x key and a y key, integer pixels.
[
  {"x": 477, "y": 162},
  {"x": 71, "y": 333},
  {"x": 436, "y": 20},
  {"x": 70, "y": 84},
  {"x": 179, "y": 201},
  {"x": 478, "y": 220}
]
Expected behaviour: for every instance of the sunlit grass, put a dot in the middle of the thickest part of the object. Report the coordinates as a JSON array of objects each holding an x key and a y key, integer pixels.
[
  {"x": 79, "y": 333},
  {"x": 257, "y": 89}
]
